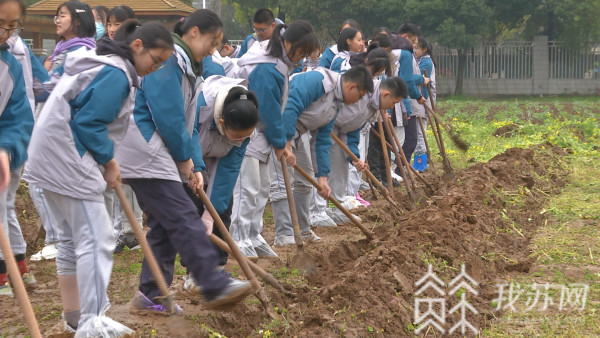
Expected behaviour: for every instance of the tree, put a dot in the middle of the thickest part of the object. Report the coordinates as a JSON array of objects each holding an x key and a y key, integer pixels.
[{"x": 458, "y": 24}]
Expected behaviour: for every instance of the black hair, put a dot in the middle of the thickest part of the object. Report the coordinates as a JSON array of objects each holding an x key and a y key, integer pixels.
[
  {"x": 102, "y": 13},
  {"x": 206, "y": 21},
  {"x": 350, "y": 22},
  {"x": 152, "y": 34},
  {"x": 424, "y": 44},
  {"x": 384, "y": 40},
  {"x": 409, "y": 28},
  {"x": 345, "y": 34},
  {"x": 299, "y": 33},
  {"x": 240, "y": 113},
  {"x": 396, "y": 86},
  {"x": 361, "y": 76},
  {"x": 381, "y": 30},
  {"x": 83, "y": 13},
  {"x": 263, "y": 15},
  {"x": 21, "y": 3},
  {"x": 121, "y": 13},
  {"x": 375, "y": 58}
]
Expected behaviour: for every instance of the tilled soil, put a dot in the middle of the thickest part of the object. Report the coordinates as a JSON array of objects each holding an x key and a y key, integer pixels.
[{"x": 483, "y": 217}]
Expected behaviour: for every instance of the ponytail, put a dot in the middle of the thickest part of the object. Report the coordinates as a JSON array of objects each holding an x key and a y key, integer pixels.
[
  {"x": 299, "y": 34},
  {"x": 206, "y": 21},
  {"x": 152, "y": 34},
  {"x": 240, "y": 109}
]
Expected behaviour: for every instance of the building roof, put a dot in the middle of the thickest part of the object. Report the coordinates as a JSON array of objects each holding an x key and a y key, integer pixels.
[{"x": 141, "y": 8}]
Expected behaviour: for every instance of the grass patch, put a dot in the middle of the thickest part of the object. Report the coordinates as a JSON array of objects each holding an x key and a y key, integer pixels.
[{"x": 567, "y": 244}]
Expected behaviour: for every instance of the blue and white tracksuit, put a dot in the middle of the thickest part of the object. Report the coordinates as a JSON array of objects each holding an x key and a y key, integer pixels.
[
  {"x": 16, "y": 124},
  {"x": 315, "y": 98},
  {"x": 268, "y": 78},
  {"x": 328, "y": 56},
  {"x": 162, "y": 131},
  {"x": 248, "y": 42},
  {"x": 83, "y": 120},
  {"x": 425, "y": 63},
  {"x": 348, "y": 125}
]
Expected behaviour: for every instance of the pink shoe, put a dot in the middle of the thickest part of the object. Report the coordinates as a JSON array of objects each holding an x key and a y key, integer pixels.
[{"x": 362, "y": 201}]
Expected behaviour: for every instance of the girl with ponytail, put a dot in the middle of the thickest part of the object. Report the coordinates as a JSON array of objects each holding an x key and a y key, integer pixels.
[
  {"x": 72, "y": 160},
  {"x": 266, "y": 71}
]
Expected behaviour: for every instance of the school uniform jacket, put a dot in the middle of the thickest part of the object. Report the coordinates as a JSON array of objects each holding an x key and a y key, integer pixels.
[
  {"x": 408, "y": 70},
  {"x": 425, "y": 63},
  {"x": 33, "y": 71},
  {"x": 16, "y": 117},
  {"x": 223, "y": 158},
  {"x": 83, "y": 120},
  {"x": 352, "y": 118},
  {"x": 248, "y": 42},
  {"x": 163, "y": 129},
  {"x": 268, "y": 78},
  {"x": 315, "y": 98},
  {"x": 328, "y": 56}
]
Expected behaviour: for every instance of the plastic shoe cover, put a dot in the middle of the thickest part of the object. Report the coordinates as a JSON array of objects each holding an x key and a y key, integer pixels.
[
  {"x": 189, "y": 283},
  {"x": 310, "y": 237},
  {"x": 102, "y": 326},
  {"x": 6, "y": 290},
  {"x": 362, "y": 200},
  {"x": 29, "y": 281},
  {"x": 398, "y": 178},
  {"x": 246, "y": 248},
  {"x": 338, "y": 216},
  {"x": 140, "y": 304},
  {"x": 262, "y": 248},
  {"x": 284, "y": 240},
  {"x": 321, "y": 219},
  {"x": 420, "y": 162},
  {"x": 364, "y": 186}
]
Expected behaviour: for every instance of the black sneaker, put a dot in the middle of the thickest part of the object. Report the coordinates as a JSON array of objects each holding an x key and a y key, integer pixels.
[
  {"x": 233, "y": 293},
  {"x": 125, "y": 241}
]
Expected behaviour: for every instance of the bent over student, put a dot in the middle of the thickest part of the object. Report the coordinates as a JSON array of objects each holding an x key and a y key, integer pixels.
[
  {"x": 228, "y": 116},
  {"x": 162, "y": 150},
  {"x": 72, "y": 160}
]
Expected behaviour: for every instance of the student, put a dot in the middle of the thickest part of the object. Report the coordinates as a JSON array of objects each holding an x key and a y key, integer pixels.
[
  {"x": 408, "y": 70},
  {"x": 228, "y": 116},
  {"x": 100, "y": 18},
  {"x": 161, "y": 150},
  {"x": 75, "y": 28},
  {"x": 122, "y": 226},
  {"x": 71, "y": 156},
  {"x": 331, "y": 51},
  {"x": 315, "y": 98},
  {"x": 351, "y": 120},
  {"x": 349, "y": 43},
  {"x": 16, "y": 123},
  {"x": 424, "y": 56},
  {"x": 227, "y": 50},
  {"x": 116, "y": 17},
  {"x": 266, "y": 70},
  {"x": 34, "y": 74},
  {"x": 263, "y": 25}
]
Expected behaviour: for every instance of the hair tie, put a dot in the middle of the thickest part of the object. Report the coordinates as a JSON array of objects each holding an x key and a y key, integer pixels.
[
  {"x": 77, "y": 10},
  {"x": 182, "y": 19},
  {"x": 243, "y": 97}
]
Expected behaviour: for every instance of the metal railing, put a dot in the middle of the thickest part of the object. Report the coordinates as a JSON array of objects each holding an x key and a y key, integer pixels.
[
  {"x": 514, "y": 60},
  {"x": 573, "y": 63},
  {"x": 490, "y": 60}
]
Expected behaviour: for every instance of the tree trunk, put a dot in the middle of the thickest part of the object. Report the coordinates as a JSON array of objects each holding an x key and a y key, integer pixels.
[{"x": 460, "y": 74}]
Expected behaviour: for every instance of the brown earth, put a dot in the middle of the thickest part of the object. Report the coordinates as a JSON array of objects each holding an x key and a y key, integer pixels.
[
  {"x": 507, "y": 131},
  {"x": 483, "y": 217}
]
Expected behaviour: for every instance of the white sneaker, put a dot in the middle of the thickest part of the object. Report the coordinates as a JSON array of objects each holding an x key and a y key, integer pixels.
[
  {"x": 321, "y": 219},
  {"x": 364, "y": 185},
  {"x": 284, "y": 240},
  {"x": 189, "y": 283}
]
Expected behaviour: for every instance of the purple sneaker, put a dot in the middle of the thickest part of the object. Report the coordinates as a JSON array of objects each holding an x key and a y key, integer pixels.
[{"x": 142, "y": 305}]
